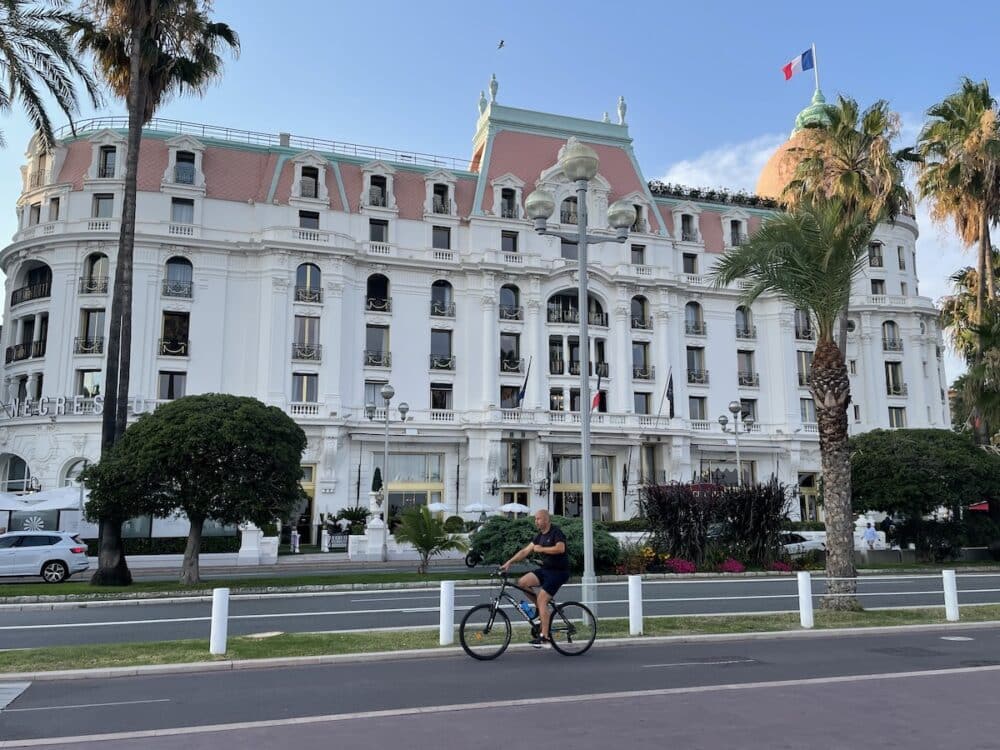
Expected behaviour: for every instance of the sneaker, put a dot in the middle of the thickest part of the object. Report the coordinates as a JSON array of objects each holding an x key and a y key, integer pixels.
[{"x": 540, "y": 642}]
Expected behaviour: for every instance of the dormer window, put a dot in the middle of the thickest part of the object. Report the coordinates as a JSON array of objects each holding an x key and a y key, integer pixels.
[
  {"x": 875, "y": 255},
  {"x": 567, "y": 211},
  {"x": 640, "y": 224},
  {"x": 41, "y": 171},
  {"x": 508, "y": 204},
  {"x": 106, "y": 165},
  {"x": 441, "y": 199},
  {"x": 737, "y": 236},
  {"x": 308, "y": 185},
  {"x": 688, "y": 231},
  {"x": 378, "y": 191},
  {"x": 184, "y": 168}
]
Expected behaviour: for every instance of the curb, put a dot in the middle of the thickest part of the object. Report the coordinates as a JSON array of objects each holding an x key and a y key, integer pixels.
[
  {"x": 231, "y": 665},
  {"x": 45, "y": 602}
]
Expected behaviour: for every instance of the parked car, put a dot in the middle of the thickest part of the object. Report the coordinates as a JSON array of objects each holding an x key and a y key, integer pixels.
[
  {"x": 53, "y": 555},
  {"x": 795, "y": 544}
]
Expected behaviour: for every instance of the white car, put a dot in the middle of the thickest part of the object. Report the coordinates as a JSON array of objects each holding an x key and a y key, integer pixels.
[
  {"x": 53, "y": 555},
  {"x": 795, "y": 544}
]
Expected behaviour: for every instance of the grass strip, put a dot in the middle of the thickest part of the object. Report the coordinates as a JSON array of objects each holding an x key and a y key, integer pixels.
[{"x": 315, "y": 644}]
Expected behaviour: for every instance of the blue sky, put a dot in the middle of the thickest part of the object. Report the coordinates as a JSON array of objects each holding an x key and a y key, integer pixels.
[{"x": 706, "y": 99}]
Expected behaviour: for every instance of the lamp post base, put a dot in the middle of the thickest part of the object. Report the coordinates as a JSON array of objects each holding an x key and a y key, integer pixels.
[{"x": 377, "y": 536}]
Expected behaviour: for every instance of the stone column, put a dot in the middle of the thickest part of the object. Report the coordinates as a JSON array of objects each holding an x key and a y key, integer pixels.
[
  {"x": 539, "y": 350},
  {"x": 620, "y": 357},
  {"x": 667, "y": 350},
  {"x": 491, "y": 351},
  {"x": 331, "y": 337}
]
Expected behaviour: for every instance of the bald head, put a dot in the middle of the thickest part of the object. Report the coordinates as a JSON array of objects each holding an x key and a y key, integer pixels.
[{"x": 542, "y": 520}]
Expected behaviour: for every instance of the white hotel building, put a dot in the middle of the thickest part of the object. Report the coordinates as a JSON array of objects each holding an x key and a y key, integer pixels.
[{"x": 308, "y": 273}]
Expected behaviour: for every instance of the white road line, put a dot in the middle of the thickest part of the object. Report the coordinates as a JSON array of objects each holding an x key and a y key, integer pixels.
[
  {"x": 956, "y": 638},
  {"x": 9, "y": 692},
  {"x": 454, "y": 707},
  {"x": 88, "y": 705},
  {"x": 699, "y": 663}
]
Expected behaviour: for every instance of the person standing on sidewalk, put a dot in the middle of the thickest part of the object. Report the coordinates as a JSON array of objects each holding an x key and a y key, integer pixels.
[
  {"x": 870, "y": 536},
  {"x": 550, "y": 543}
]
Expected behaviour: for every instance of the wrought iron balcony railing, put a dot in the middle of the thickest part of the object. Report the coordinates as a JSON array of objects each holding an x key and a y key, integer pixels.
[
  {"x": 644, "y": 323},
  {"x": 698, "y": 377},
  {"x": 749, "y": 379},
  {"x": 87, "y": 345},
  {"x": 308, "y": 294},
  {"x": 441, "y": 309},
  {"x": 378, "y": 304},
  {"x": 178, "y": 288},
  {"x": 892, "y": 345},
  {"x": 93, "y": 285},
  {"x": 746, "y": 332},
  {"x": 30, "y": 292},
  {"x": 896, "y": 389},
  {"x": 184, "y": 173},
  {"x": 643, "y": 372},
  {"x": 511, "y": 312},
  {"x": 377, "y": 358},
  {"x": 508, "y": 364},
  {"x": 695, "y": 327},
  {"x": 442, "y": 362},
  {"x": 804, "y": 334},
  {"x": 175, "y": 347},
  {"x": 556, "y": 367},
  {"x": 307, "y": 352}
]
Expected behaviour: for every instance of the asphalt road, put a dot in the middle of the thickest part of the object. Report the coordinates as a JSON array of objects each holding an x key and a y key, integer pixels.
[
  {"x": 925, "y": 689},
  {"x": 367, "y": 610}
]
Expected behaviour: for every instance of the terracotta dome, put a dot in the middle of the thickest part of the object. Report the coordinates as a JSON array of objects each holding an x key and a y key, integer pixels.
[{"x": 780, "y": 168}]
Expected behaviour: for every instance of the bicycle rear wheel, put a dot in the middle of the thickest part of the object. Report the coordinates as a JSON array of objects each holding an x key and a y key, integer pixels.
[
  {"x": 573, "y": 629},
  {"x": 484, "y": 634}
]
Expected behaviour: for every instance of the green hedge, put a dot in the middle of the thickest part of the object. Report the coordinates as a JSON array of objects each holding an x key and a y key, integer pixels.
[
  {"x": 804, "y": 526},
  {"x": 499, "y": 538},
  {"x": 171, "y": 545},
  {"x": 632, "y": 524}
]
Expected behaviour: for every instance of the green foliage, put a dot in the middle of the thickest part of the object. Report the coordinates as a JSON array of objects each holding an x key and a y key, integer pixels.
[
  {"x": 679, "y": 518},
  {"x": 270, "y": 529},
  {"x": 377, "y": 479},
  {"x": 172, "y": 545},
  {"x": 454, "y": 524},
  {"x": 752, "y": 517},
  {"x": 357, "y": 516},
  {"x": 499, "y": 538},
  {"x": 980, "y": 529},
  {"x": 913, "y": 472},
  {"x": 632, "y": 524},
  {"x": 790, "y": 525},
  {"x": 935, "y": 541},
  {"x": 427, "y": 534}
]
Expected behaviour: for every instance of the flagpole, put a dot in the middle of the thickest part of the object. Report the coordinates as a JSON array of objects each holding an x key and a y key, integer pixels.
[
  {"x": 659, "y": 410},
  {"x": 815, "y": 65}
]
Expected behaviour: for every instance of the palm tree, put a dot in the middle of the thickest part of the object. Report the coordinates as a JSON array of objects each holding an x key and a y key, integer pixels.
[
  {"x": 959, "y": 150},
  {"x": 147, "y": 51},
  {"x": 958, "y": 310},
  {"x": 426, "y": 533},
  {"x": 809, "y": 258},
  {"x": 35, "y": 48}
]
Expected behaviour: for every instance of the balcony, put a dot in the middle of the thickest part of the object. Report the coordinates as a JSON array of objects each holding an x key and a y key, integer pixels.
[
  {"x": 441, "y": 309},
  {"x": 178, "y": 289},
  {"x": 18, "y": 352},
  {"x": 603, "y": 369},
  {"x": 805, "y": 379},
  {"x": 695, "y": 327},
  {"x": 442, "y": 205},
  {"x": 642, "y": 324},
  {"x": 378, "y": 304},
  {"x": 643, "y": 372},
  {"x": 804, "y": 334},
  {"x": 106, "y": 171},
  {"x": 303, "y": 409},
  {"x": 689, "y": 235},
  {"x": 569, "y": 217},
  {"x": 442, "y": 362},
  {"x": 556, "y": 367},
  {"x": 85, "y": 345},
  {"x": 598, "y": 319},
  {"x": 377, "y": 358},
  {"x": 175, "y": 348},
  {"x": 737, "y": 240},
  {"x": 37, "y": 180},
  {"x": 376, "y": 198},
  {"x": 698, "y": 377},
  {"x": 574, "y": 367},
  {"x": 307, "y": 352},
  {"x": 30, "y": 292},
  {"x": 559, "y": 315},
  {"x": 746, "y": 332},
  {"x": 509, "y": 212},
  {"x": 639, "y": 226},
  {"x": 308, "y": 294},
  {"x": 875, "y": 261},
  {"x": 511, "y": 312},
  {"x": 184, "y": 173},
  {"x": 510, "y": 365},
  {"x": 892, "y": 345},
  {"x": 896, "y": 389},
  {"x": 93, "y": 285},
  {"x": 749, "y": 379},
  {"x": 308, "y": 188}
]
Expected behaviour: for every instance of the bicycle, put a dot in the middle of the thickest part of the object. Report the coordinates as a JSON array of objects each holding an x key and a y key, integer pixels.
[{"x": 485, "y": 631}]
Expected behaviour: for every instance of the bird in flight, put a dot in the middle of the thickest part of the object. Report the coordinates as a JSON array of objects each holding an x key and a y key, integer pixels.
[{"x": 500, "y": 46}]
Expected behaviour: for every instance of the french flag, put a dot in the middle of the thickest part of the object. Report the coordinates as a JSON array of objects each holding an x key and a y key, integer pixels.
[{"x": 800, "y": 63}]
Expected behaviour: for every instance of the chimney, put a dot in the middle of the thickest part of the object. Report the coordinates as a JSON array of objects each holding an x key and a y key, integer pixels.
[{"x": 283, "y": 139}]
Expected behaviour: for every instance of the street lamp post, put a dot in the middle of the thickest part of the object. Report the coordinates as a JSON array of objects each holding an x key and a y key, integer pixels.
[
  {"x": 737, "y": 410},
  {"x": 579, "y": 164},
  {"x": 387, "y": 392}
]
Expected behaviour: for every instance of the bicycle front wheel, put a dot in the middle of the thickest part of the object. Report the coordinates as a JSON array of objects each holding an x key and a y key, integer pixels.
[
  {"x": 573, "y": 629},
  {"x": 484, "y": 634}
]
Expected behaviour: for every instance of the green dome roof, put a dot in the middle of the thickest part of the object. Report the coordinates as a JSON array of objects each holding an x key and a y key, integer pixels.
[{"x": 814, "y": 114}]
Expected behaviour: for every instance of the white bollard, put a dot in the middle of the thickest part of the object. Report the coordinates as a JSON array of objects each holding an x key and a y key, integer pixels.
[
  {"x": 447, "y": 628},
  {"x": 220, "y": 621},
  {"x": 635, "y": 605},
  {"x": 805, "y": 599},
  {"x": 324, "y": 541},
  {"x": 950, "y": 596}
]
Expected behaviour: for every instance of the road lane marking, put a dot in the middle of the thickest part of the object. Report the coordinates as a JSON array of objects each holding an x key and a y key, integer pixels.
[
  {"x": 88, "y": 705},
  {"x": 456, "y": 707},
  {"x": 699, "y": 663},
  {"x": 956, "y": 638},
  {"x": 9, "y": 691}
]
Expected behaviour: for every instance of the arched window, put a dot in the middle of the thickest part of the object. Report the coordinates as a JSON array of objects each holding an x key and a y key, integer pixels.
[
  {"x": 17, "y": 477},
  {"x": 179, "y": 280},
  {"x": 73, "y": 471},
  {"x": 377, "y": 294},
  {"x": 694, "y": 323},
  {"x": 891, "y": 342},
  {"x": 563, "y": 308},
  {"x": 37, "y": 283},
  {"x": 95, "y": 274},
  {"x": 745, "y": 329},
  {"x": 640, "y": 313},
  {"x": 309, "y": 186},
  {"x": 510, "y": 303},
  {"x": 308, "y": 284},
  {"x": 567, "y": 211},
  {"x": 442, "y": 300}
]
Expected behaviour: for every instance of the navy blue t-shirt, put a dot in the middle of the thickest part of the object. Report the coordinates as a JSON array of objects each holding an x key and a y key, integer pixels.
[{"x": 552, "y": 537}]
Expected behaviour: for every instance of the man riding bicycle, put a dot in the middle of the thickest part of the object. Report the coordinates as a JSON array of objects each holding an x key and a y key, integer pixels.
[{"x": 550, "y": 542}]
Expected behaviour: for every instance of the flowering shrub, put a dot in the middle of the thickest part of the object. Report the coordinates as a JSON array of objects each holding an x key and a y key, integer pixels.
[
  {"x": 780, "y": 567},
  {"x": 677, "y": 565},
  {"x": 732, "y": 566}
]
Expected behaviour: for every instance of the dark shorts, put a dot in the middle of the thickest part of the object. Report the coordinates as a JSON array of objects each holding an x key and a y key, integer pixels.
[{"x": 551, "y": 580}]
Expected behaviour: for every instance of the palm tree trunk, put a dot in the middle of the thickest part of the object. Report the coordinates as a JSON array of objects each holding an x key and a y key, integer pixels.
[
  {"x": 190, "y": 572},
  {"x": 112, "y": 569},
  {"x": 984, "y": 265},
  {"x": 832, "y": 393}
]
